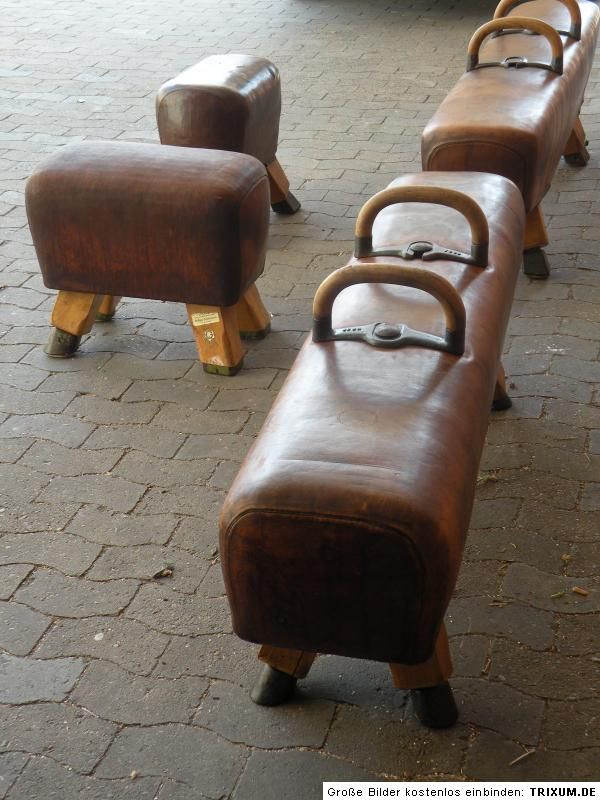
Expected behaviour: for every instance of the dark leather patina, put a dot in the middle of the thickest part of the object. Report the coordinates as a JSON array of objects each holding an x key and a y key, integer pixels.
[
  {"x": 344, "y": 529},
  {"x": 228, "y": 102},
  {"x": 515, "y": 122},
  {"x": 143, "y": 220}
]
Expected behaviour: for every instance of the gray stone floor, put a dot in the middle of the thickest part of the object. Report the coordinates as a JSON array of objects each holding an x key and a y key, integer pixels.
[{"x": 115, "y": 463}]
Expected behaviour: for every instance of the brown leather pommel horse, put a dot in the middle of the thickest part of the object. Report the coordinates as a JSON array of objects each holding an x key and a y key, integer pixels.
[
  {"x": 228, "y": 102},
  {"x": 344, "y": 530},
  {"x": 516, "y": 109}
]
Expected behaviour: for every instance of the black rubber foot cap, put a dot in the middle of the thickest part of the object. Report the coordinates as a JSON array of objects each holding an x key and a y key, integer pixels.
[
  {"x": 217, "y": 369},
  {"x": 272, "y": 687},
  {"x": 535, "y": 264},
  {"x": 435, "y": 706},
  {"x": 256, "y": 334},
  {"x": 578, "y": 159},
  {"x": 61, "y": 344},
  {"x": 502, "y": 403},
  {"x": 288, "y": 206}
]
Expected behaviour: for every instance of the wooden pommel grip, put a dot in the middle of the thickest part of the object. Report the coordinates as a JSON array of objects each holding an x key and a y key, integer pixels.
[
  {"x": 427, "y": 281},
  {"x": 423, "y": 194},
  {"x": 517, "y": 23},
  {"x": 574, "y": 31}
]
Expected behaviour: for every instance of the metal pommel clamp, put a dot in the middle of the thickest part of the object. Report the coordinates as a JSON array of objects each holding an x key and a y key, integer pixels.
[{"x": 385, "y": 334}]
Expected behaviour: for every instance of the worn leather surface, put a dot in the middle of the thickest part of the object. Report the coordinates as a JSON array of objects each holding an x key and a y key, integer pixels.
[
  {"x": 515, "y": 122},
  {"x": 227, "y": 102},
  {"x": 344, "y": 529},
  {"x": 143, "y": 220}
]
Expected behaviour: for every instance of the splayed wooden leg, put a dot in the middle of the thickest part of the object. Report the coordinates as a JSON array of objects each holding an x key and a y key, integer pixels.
[
  {"x": 73, "y": 315},
  {"x": 217, "y": 338}
]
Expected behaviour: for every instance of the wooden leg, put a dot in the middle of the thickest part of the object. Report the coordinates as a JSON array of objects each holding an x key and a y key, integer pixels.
[
  {"x": 72, "y": 316},
  {"x": 430, "y": 673},
  {"x": 217, "y": 338},
  {"x": 431, "y": 695},
  {"x": 535, "y": 263},
  {"x": 107, "y": 309},
  {"x": 501, "y": 401},
  {"x": 253, "y": 318},
  {"x": 575, "y": 151},
  {"x": 277, "y": 680},
  {"x": 282, "y": 200}
]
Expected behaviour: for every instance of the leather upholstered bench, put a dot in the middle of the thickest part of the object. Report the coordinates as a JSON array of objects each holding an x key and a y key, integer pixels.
[
  {"x": 516, "y": 109},
  {"x": 344, "y": 530},
  {"x": 228, "y": 102},
  {"x": 113, "y": 219}
]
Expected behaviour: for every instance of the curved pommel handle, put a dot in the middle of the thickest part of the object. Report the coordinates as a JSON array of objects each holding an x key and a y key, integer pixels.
[
  {"x": 574, "y": 31},
  {"x": 430, "y": 282},
  {"x": 516, "y": 23},
  {"x": 437, "y": 195}
]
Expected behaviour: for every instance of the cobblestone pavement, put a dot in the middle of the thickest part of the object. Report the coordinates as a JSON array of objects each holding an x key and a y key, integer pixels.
[{"x": 114, "y": 464}]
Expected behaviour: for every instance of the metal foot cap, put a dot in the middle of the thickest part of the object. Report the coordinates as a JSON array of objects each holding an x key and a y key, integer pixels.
[{"x": 218, "y": 369}]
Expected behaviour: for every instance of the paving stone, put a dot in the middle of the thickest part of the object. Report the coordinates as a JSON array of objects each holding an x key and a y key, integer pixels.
[
  {"x": 111, "y": 491},
  {"x": 55, "y": 427},
  {"x": 590, "y": 497},
  {"x": 101, "y": 384},
  {"x": 20, "y": 483},
  {"x": 119, "y": 640},
  {"x": 380, "y": 741},
  {"x": 163, "y": 751},
  {"x": 20, "y": 628},
  {"x": 578, "y": 635},
  {"x": 579, "y": 718},
  {"x": 478, "y": 578},
  {"x": 493, "y": 705},
  {"x": 229, "y": 711},
  {"x": 111, "y": 693},
  {"x": 576, "y": 466},
  {"x": 132, "y": 368},
  {"x": 569, "y": 526},
  {"x": 111, "y": 412},
  {"x": 551, "y": 592},
  {"x": 62, "y": 551},
  {"x": 144, "y": 469},
  {"x": 494, "y": 513},
  {"x": 25, "y": 680},
  {"x": 178, "y": 791},
  {"x": 112, "y": 528},
  {"x": 490, "y": 755},
  {"x": 550, "y": 386},
  {"x": 187, "y": 420},
  {"x": 21, "y": 401},
  {"x": 40, "y": 774},
  {"x": 280, "y": 775},
  {"x": 11, "y": 577},
  {"x": 214, "y": 656},
  {"x": 13, "y": 449},
  {"x": 56, "y": 460},
  {"x": 156, "y": 442},
  {"x": 515, "y": 544},
  {"x": 585, "y": 560},
  {"x": 11, "y": 765},
  {"x": 82, "y": 361},
  {"x": 64, "y": 596},
  {"x": 169, "y": 611},
  {"x": 187, "y": 500},
  {"x": 65, "y": 733},
  {"x": 188, "y": 394},
  {"x": 520, "y": 623},
  {"x": 24, "y": 517},
  {"x": 103, "y": 339},
  {"x": 572, "y": 413},
  {"x": 145, "y": 561},
  {"x": 528, "y": 484},
  {"x": 229, "y": 446}
]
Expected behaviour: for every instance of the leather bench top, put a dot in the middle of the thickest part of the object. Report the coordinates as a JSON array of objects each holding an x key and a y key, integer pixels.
[
  {"x": 147, "y": 220},
  {"x": 515, "y": 122},
  {"x": 378, "y": 446}
]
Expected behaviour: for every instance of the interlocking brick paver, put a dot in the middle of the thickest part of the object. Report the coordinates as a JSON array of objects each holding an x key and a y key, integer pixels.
[
  {"x": 24, "y": 680},
  {"x": 64, "y": 596},
  {"x": 39, "y": 774},
  {"x": 117, "y": 461},
  {"x": 65, "y": 733},
  {"x": 20, "y": 628},
  {"x": 163, "y": 750},
  {"x": 111, "y": 693}
]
